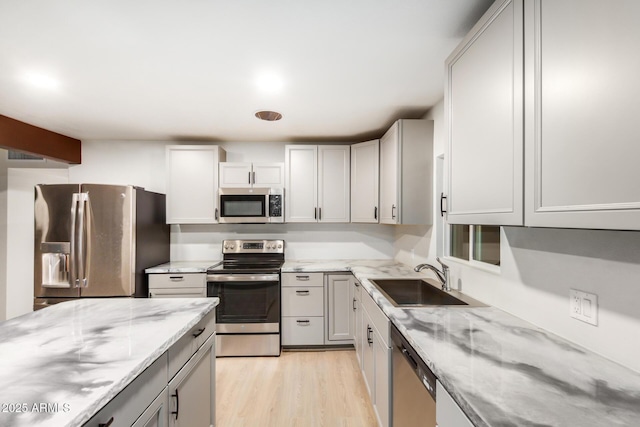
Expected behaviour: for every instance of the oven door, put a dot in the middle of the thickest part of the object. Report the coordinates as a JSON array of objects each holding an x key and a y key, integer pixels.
[
  {"x": 244, "y": 205},
  {"x": 249, "y": 303}
]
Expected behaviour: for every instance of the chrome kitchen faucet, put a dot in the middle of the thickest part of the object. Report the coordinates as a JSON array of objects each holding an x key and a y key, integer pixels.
[{"x": 443, "y": 276}]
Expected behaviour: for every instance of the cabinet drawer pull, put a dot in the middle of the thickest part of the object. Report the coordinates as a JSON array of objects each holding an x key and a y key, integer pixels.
[
  {"x": 303, "y": 278},
  {"x": 176, "y": 278},
  {"x": 354, "y": 304},
  {"x": 107, "y": 424},
  {"x": 177, "y": 404},
  {"x": 305, "y": 292},
  {"x": 200, "y": 331},
  {"x": 303, "y": 322}
]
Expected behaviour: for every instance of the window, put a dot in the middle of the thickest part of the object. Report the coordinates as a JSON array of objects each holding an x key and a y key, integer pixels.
[{"x": 475, "y": 243}]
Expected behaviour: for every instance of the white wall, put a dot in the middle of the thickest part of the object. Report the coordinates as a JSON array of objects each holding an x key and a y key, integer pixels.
[
  {"x": 539, "y": 266},
  {"x": 20, "y": 229}
]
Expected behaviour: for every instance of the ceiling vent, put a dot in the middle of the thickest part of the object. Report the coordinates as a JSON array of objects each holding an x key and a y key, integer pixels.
[
  {"x": 17, "y": 155},
  {"x": 270, "y": 116}
]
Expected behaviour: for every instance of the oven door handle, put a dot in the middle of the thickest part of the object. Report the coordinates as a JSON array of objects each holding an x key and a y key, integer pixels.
[{"x": 243, "y": 278}]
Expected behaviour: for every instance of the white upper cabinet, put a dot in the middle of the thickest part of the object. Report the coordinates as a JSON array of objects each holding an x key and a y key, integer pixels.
[
  {"x": 247, "y": 175},
  {"x": 484, "y": 120},
  {"x": 581, "y": 108},
  {"x": 406, "y": 165},
  {"x": 192, "y": 183},
  {"x": 365, "y": 172},
  {"x": 317, "y": 183}
]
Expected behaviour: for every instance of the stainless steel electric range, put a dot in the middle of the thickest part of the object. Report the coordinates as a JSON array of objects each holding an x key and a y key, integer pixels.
[{"x": 247, "y": 282}]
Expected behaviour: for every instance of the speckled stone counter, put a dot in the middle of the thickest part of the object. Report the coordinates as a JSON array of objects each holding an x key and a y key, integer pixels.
[
  {"x": 182, "y": 267},
  {"x": 501, "y": 370},
  {"x": 77, "y": 356}
]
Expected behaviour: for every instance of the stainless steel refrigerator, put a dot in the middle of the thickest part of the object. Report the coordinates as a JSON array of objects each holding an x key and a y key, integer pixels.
[{"x": 95, "y": 240}]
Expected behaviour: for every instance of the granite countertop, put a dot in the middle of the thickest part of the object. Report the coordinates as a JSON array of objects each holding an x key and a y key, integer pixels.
[
  {"x": 79, "y": 355},
  {"x": 501, "y": 370},
  {"x": 182, "y": 267}
]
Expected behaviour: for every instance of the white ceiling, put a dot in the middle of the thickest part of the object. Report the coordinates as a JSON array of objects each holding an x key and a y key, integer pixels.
[{"x": 187, "y": 69}]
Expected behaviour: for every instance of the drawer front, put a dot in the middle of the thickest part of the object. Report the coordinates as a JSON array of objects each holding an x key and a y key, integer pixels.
[
  {"x": 378, "y": 318},
  {"x": 177, "y": 280},
  {"x": 303, "y": 301},
  {"x": 303, "y": 279},
  {"x": 190, "y": 342},
  {"x": 303, "y": 330},
  {"x": 178, "y": 293}
]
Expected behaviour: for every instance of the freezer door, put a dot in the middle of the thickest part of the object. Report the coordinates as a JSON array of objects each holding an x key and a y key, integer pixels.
[
  {"x": 110, "y": 241},
  {"x": 52, "y": 237}
]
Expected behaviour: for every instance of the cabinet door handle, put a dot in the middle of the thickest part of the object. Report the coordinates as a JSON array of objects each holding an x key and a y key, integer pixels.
[
  {"x": 375, "y": 212},
  {"x": 369, "y": 340},
  {"x": 249, "y": 178},
  {"x": 319, "y": 214},
  {"x": 107, "y": 424},
  {"x": 216, "y": 214},
  {"x": 253, "y": 177},
  {"x": 200, "y": 331},
  {"x": 303, "y": 278},
  {"x": 303, "y": 322},
  {"x": 443, "y": 200},
  {"x": 353, "y": 304},
  {"x": 315, "y": 213},
  {"x": 177, "y": 404},
  {"x": 393, "y": 211},
  {"x": 176, "y": 278},
  {"x": 305, "y": 292}
]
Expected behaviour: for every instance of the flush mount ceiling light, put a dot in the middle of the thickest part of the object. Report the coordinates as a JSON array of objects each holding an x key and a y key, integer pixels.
[
  {"x": 269, "y": 82},
  {"x": 41, "y": 81},
  {"x": 270, "y": 116}
]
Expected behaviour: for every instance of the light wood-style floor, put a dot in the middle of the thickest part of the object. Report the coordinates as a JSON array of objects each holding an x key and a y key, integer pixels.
[{"x": 297, "y": 389}]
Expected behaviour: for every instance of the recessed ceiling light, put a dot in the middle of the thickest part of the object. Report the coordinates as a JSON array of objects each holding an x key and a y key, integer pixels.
[
  {"x": 270, "y": 116},
  {"x": 269, "y": 83},
  {"x": 42, "y": 81}
]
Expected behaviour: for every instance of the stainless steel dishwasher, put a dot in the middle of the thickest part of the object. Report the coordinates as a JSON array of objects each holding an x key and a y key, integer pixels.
[{"x": 414, "y": 386}]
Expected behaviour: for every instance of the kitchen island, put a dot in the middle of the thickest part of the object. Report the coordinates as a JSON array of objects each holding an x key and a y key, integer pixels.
[{"x": 61, "y": 365}]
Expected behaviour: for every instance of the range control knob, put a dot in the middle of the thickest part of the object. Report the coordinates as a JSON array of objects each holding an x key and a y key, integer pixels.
[
  {"x": 279, "y": 245},
  {"x": 232, "y": 247},
  {"x": 226, "y": 246}
]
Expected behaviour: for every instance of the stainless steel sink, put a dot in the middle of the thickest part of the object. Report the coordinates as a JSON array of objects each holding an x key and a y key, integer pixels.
[{"x": 420, "y": 293}]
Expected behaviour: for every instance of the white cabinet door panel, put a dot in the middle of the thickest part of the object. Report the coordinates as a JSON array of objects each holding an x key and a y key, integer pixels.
[
  {"x": 365, "y": 172},
  {"x": 233, "y": 174},
  {"x": 301, "y": 183},
  {"x": 484, "y": 119},
  {"x": 582, "y": 102},
  {"x": 389, "y": 170},
  {"x": 334, "y": 163},
  {"x": 268, "y": 175},
  {"x": 339, "y": 308}
]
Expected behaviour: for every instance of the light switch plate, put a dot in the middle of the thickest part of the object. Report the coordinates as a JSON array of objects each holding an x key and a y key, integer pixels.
[{"x": 583, "y": 306}]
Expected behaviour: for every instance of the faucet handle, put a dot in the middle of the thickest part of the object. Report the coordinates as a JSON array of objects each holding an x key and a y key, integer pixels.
[{"x": 444, "y": 266}]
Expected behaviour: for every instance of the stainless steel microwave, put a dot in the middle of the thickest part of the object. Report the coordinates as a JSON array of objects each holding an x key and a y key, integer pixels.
[{"x": 251, "y": 205}]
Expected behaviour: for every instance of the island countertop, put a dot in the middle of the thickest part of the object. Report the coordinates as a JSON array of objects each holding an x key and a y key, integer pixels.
[
  {"x": 60, "y": 365},
  {"x": 500, "y": 369}
]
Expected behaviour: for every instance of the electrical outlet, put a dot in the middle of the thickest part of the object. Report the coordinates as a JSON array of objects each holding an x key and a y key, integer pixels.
[{"x": 583, "y": 306}]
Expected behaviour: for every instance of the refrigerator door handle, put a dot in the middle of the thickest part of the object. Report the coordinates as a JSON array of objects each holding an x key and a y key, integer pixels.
[
  {"x": 81, "y": 236},
  {"x": 73, "y": 261}
]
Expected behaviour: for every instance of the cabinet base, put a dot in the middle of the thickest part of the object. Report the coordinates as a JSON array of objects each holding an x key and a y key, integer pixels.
[{"x": 247, "y": 345}]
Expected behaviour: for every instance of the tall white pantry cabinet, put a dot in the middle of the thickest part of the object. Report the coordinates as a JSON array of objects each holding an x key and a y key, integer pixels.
[{"x": 546, "y": 134}]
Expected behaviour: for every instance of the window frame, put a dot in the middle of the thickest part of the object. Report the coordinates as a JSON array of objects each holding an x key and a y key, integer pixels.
[{"x": 481, "y": 265}]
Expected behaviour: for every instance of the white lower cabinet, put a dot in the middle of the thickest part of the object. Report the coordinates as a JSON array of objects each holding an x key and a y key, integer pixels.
[
  {"x": 339, "y": 308},
  {"x": 356, "y": 315},
  {"x": 182, "y": 285},
  {"x": 192, "y": 390},
  {"x": 178, "y": 389},
  {"x": 302, "y": 309},
  {"x": 157, "y": 414},
  {"x": 448, "y": 413},
  {"x": 376, "y": 358}
]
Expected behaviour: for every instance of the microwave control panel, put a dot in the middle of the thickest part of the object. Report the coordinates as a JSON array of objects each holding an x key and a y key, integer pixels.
[{"x": 275, "y": 205}]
